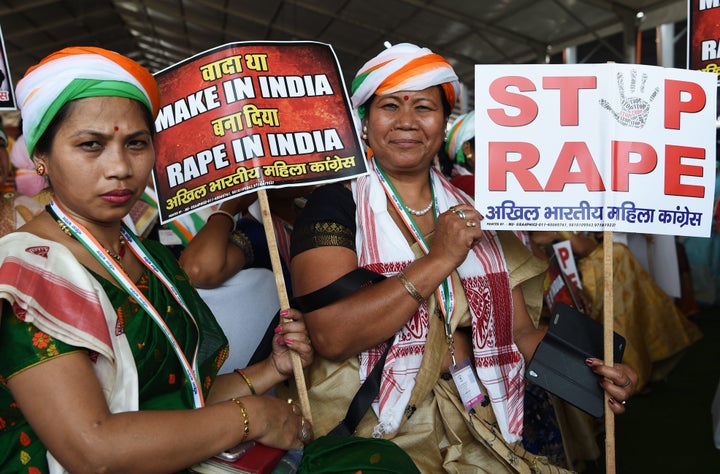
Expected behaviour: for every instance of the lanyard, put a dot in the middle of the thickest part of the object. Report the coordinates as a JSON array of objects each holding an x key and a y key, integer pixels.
[
  {"x": 94, "y": 247},
  {"x": 445, "y": 292}
]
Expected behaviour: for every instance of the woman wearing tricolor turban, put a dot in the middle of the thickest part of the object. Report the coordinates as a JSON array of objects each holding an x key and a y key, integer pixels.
[
  {"x": 454, "y": 299},
  {"x": 15, "y": 209},
  {"x": 460, "y": 147},
  {"x": 108, "y": 358},
  {"x": 460, "y": 144}
]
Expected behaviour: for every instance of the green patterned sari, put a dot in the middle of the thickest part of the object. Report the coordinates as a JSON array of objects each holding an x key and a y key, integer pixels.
[{"x": 162, "y": 382}]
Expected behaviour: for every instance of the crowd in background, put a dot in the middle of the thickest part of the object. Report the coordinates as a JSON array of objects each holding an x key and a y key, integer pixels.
[{"x": 226, "y": 256}]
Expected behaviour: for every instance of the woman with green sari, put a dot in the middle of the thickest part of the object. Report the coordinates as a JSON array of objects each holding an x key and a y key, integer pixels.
[{"x": 108, "y": 357}]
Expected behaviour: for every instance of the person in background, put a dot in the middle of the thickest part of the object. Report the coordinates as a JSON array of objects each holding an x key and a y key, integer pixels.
[
  {"x": 456, "y": 158},
  {"x": 657, "y": 333},
  {"x": 15, "y": 209},
  {"x": 233, "y": 237},
  {"x": 460, "y": 146},
  {"x": 27, "y": 181},
  {"x": 229, "y": 262},
  {"x": 703, "y": 254},
  {"x": 452, "y": 295},
  {"x": 108, "y": 358}
]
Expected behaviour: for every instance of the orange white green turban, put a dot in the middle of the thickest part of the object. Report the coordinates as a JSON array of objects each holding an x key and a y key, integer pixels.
[
  {"x": 462, "y": 130},
  {"x": 75, "y": 73},
  {"x": 404, "y": 67}
]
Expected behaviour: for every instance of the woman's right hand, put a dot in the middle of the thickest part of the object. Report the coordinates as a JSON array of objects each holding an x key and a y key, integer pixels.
[
  {"x": 290, "y": 334},
  {"x": 284, "y": 425},
  {"x": 457, "y": 230}
]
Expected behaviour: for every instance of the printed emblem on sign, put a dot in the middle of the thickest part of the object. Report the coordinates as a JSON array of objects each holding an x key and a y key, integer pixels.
[{"x": 633, "y": 110}]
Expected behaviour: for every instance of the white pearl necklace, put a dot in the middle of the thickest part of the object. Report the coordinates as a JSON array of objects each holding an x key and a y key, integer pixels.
[{"x": 421, "y": 212}]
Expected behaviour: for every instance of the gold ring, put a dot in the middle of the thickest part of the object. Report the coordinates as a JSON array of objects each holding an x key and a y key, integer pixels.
[
  {"x": 460, "y": 214},
  {"x": 470, "y": 224},
  {"x": 452, "y": 208}
]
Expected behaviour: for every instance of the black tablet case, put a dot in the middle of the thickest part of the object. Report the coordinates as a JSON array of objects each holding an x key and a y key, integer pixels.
[{"x": 559, "y": 366}]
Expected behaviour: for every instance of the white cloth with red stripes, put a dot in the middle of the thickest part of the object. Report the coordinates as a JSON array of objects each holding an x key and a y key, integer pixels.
[
  {"x": 49, "y": 288},
  {"x": 382, "y": 247}
]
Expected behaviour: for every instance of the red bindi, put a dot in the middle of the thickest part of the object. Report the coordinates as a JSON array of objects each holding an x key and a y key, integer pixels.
[
  {"x": 406, "y": 97},
  {"x": 116, "y": 128}
]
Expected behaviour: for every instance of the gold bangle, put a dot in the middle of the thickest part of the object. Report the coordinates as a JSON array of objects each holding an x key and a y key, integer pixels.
[
  {"x": 410, "y": 287},
  {"x": 247, "y": 380},
  {"x": 246, "y": 419},
  {"x": 222, "y": 213}
]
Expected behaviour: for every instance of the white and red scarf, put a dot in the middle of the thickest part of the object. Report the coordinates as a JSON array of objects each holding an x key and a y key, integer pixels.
[
  {"x": 47, "y": 287},
  {"x": 382, "y": 247}
]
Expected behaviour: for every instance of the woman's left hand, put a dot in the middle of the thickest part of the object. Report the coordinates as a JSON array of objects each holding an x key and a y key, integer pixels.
[
  {"x": 618, "y": 381},
  {"x": 291, "y": 333}
]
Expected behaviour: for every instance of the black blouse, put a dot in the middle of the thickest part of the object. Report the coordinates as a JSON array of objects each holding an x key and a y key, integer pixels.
[{"x": 328, "y": 219}]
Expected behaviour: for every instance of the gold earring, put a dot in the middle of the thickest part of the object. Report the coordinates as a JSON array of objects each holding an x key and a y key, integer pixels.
[{"x": 40, "y": 169}]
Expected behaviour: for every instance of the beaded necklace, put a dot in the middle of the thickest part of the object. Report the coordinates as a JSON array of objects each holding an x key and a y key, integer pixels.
[
  {"x": 116, "y": 256},
  {"x": 421, "y": 212}
]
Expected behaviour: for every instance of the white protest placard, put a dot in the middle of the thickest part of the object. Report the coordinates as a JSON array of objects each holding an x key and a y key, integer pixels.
[{"x": 594, "y": 147}]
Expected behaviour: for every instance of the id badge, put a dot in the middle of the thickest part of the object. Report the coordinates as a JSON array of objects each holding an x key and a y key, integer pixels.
[{"x": 466, "y": 381}]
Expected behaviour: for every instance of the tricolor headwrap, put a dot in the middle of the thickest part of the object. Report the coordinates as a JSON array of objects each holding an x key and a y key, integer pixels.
[
  {"x": 462, "y": 130},
  {"x": 78, "y": 72},
  {"x": 404, "y": 67}
]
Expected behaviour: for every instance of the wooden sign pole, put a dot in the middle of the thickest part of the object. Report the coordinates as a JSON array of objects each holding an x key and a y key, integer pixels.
[
  {"x": 608, "y": 310},
  {"x": 283, "y": 298}
]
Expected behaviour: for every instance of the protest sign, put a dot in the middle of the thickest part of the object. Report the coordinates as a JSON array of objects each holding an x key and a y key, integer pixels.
[
  {"x": 703, "y": 22},
  {"x": 248, "y": 116},
  {"x": 7, "y": 95},
  {"x": 595, "y": 147},
  {"x": 566, "y": 260}
]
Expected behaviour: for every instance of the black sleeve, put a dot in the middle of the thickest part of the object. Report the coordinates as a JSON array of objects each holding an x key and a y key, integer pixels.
[{"x": 328, "y": 219}]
